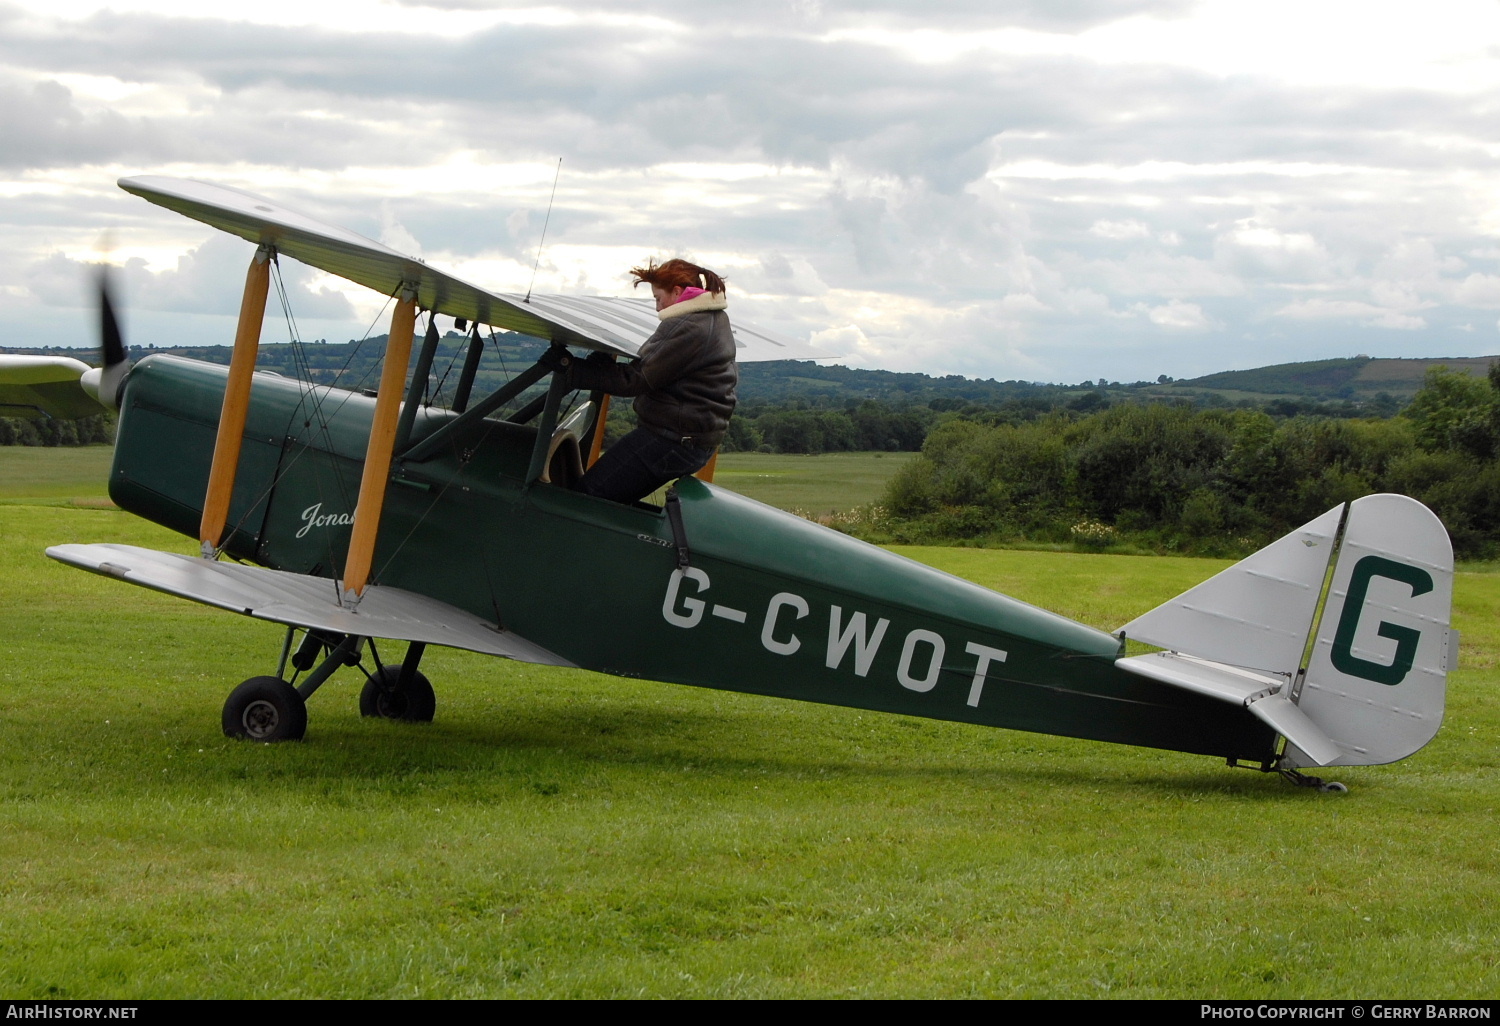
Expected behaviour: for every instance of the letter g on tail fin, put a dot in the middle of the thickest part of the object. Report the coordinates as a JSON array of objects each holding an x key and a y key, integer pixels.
[
  {"x": 1378, "y": 673},
  {"x": 1372, "y": 689}
]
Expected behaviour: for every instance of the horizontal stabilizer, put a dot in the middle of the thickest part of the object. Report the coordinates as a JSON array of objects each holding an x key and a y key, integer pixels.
[
  {"x": 44, "y": 386},
  {"x": 301, "y": 601},
  {"x": 616, "y": 325},
  {"x": 1258, "y": 612},
  {"x": 1261, "y": 694},
  {"x": 1227, "y": 683}
]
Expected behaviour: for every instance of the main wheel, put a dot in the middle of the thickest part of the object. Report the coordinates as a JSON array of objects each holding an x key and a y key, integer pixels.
[
  {"x": 384, "y": 696},
  {"x": 265, "y": 709}
]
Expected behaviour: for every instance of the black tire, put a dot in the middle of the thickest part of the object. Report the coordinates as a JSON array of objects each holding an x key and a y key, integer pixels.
[
  {"x": 265, "y": 709},
  {"x": 384, "y": 697}
]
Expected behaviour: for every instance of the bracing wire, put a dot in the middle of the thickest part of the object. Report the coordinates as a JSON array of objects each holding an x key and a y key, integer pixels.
[
  {"x": 545, "y": 221},
  {"x": 463, "y": 467},
  {"x": 495, "y": 341},
  {"x": 437, "y": 393},
  {"x": 304, "y": 375},
  {"x": 312, "y": 394}
]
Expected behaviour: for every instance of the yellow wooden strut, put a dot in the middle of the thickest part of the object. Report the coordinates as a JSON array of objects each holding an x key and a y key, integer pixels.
[
  {"x": 597, "y": 445},
  {"x": 236, "y": 407},
  {"x": 382, "y": 445},
  {"x": 706, "y": 472}
]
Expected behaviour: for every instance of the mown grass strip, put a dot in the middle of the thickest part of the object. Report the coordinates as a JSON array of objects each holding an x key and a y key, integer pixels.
[{"x": 558, "y": 833}]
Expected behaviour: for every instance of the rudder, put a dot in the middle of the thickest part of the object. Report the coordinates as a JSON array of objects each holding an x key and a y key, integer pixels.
[{"x": 1377, "y": 676}]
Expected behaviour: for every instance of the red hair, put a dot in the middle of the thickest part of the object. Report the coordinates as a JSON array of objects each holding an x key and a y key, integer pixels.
[{"x": 676, "y": 273}]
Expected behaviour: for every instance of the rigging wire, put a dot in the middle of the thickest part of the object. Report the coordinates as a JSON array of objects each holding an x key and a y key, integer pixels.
[
  {"x": 318, "y": 395},
  {"x": 547, "y": 220},
  {"x": 465, "y": 457},
  {"x": 438, "y": 392},
  {"x": 499, "y": 353},
  {"x": 303, "y": 371}
]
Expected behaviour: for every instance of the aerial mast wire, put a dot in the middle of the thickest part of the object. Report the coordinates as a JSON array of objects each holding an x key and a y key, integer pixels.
[{"x": 545, "y": 222}]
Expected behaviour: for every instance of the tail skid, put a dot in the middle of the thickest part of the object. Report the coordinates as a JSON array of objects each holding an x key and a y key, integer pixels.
[{"x": 1372, "y": 690}]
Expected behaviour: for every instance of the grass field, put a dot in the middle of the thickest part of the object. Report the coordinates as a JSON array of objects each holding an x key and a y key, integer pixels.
[
  {"x": 56, "y": 475},
  {"x": 818, "y": 484},
  {"x": 559, "y": 833},
  {"x": 830, "y": 483}
]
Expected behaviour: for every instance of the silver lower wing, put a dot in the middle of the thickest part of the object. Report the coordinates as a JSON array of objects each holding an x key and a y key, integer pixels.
[
  {"x": 301, "y": 601},
  {"x": 44, "y": 386}
]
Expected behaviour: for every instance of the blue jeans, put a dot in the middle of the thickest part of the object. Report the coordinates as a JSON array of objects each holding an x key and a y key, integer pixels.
[{"x": 638, "y": 465}]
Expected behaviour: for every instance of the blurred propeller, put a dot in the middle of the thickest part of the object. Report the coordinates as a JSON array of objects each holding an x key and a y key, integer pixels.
[{"x": 103, "y": 383}]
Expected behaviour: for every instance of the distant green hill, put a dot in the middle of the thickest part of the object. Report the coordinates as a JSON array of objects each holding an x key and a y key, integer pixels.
[
  {"x": 356, "y": 365},
  {"x": 1353, "y": 378},
  {"x": 1363, "y": 384}
]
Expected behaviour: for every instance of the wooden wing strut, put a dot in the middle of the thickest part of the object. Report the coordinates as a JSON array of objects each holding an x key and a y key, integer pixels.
[
  {"x": 226, "y": 463},
  {"x": 382, "y": 445}
]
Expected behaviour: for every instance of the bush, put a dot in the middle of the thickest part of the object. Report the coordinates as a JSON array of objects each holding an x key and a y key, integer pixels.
[
  {"x": 1176, "y": 478},
  {"x": 45, "y": 432}
]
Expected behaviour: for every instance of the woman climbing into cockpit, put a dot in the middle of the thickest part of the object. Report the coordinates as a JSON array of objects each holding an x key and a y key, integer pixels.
[{"x": 683, "y": 383}]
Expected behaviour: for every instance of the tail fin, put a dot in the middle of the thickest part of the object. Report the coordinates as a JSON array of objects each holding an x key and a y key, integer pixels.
[
  {"x": 1379, "y": 667},
  {"x": 1372, "y": 691}
]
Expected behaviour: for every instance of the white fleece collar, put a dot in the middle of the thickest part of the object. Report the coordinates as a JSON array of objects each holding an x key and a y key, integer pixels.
[{"x": 707, "y": 301}]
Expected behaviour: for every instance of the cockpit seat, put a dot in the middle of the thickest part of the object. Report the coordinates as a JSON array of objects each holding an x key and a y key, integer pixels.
[
  {"x": 565, "y": 452},
  {"x": 564, "y": 459}
]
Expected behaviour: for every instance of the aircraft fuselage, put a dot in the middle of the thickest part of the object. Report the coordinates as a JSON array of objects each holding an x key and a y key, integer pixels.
[{"x": 770, "y": 604}]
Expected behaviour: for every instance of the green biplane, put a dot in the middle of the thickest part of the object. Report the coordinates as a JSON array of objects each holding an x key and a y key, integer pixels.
[{"x": 350, "y": 516}]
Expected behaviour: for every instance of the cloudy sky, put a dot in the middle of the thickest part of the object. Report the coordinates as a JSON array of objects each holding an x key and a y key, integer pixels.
[{"x": 1047, "y": 189}]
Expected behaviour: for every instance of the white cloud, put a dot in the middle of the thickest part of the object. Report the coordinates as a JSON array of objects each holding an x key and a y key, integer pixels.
[
  {"x": 394, "y": 234},
  {"x": 1120, "y": 229},
  {"x": 208, "y": 279},
  {"x": 993, "y": 189},
  {"x": 1251, "y": 248},
  {"x": 1367, "y": 314},
  {"x": 1398, "y": 321},
  {"x": 1023, "y": 302},
  {"x": 849, "y": 343},
  {"x": 1178, "y": 314},
  {"x": 1481, "y": 290},
  {"x": 1441, "y": 45}
]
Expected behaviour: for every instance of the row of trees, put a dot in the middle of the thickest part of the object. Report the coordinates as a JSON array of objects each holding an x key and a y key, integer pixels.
[
  {"x": 1205, "y": 480},
  {"x": 868, "y": 427},
  {"x": 85, "y": 431}
]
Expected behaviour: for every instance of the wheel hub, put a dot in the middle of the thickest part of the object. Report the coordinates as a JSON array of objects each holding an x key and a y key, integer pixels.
[{"x": 260, "y": 719}]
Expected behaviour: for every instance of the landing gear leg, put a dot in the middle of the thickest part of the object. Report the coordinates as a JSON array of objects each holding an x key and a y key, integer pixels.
[
  {"x": 269, "y": 708},
  {"x": 344, "y": 653},
  {"x": 1279, "y": 764},
  {"x": 1303, "y": 780},
  {"x": 400, "y": 693}
]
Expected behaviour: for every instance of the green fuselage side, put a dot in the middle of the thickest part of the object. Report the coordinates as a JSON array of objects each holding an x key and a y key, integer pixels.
[{"x": 772, "y": 604}]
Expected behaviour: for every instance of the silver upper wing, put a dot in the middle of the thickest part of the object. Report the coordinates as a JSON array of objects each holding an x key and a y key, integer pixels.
[{"x": 591, "y": 322}]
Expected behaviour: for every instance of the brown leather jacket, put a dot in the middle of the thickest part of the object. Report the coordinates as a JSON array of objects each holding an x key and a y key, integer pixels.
[{"x": 684, "y": 377}]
